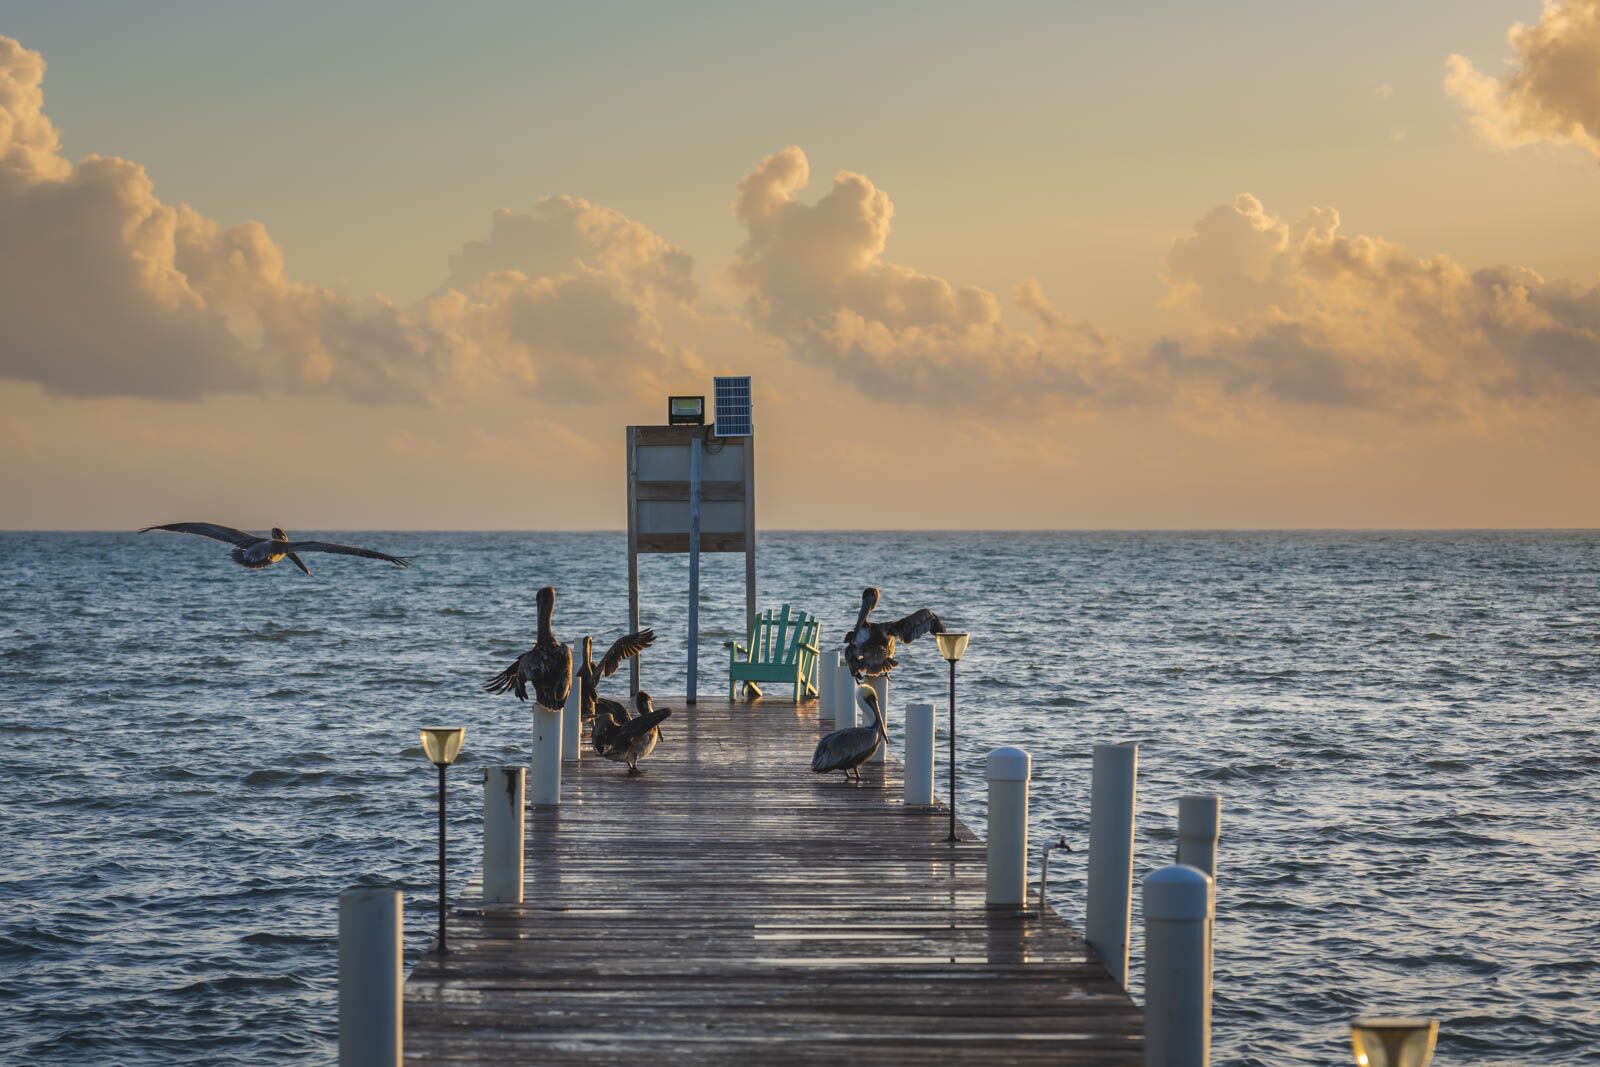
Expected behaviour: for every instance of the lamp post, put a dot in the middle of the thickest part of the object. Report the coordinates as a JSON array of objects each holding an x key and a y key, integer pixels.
[
  {"x": 951, "y": 647},
  {"x": 442, "y": 745},
  {"x": 1395, "y": 1042}
]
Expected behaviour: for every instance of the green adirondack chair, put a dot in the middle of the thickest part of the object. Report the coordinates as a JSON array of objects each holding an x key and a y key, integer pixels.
[{"x": 781, "y": 648}]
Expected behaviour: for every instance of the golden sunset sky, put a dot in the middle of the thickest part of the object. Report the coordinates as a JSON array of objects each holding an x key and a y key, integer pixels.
[{"x": 1070, "y": 265}]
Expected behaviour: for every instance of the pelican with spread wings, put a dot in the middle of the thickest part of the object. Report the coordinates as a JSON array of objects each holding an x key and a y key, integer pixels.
[
  {"x": 256, "y": 553},
  {"x": 588, "y": 673},
  {"x": 869, "y": 646}
]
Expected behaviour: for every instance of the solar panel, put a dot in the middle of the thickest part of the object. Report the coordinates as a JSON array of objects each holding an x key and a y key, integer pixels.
[{"x": 733, "y": 407}]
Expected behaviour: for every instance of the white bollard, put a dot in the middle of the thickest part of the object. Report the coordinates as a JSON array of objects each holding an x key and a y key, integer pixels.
[
  {"x": 844, "y": 694},
  {"x": 504, "y": 790},
  {"x": 919, "y": 755},
  {"x": 1199, "y": 827},
  {"x": 546, "y": 769},
  {"x": 880, "y": 685},
  {"x": 1008, "y": 771},
  {"x": 1178, "y": 909},
  {"x": 825, "y": 688},
  {"x": 572, "y": 724},
  {"x": 371, "y": 978},
  {"x": 1111, "y": 806}
]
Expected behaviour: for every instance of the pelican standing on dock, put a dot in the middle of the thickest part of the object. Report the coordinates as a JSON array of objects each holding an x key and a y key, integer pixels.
[
  {"x": 628, "y": 740},
  {"x": 846, "y": 750},
  {"x": 547, "y": 665},
  {"x": 257, "y": 553},
  {"x": 869, "y": 646},
  {"x": 589, "y": 672}
]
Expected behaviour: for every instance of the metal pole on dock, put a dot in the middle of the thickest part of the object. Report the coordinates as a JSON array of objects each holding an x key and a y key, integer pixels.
[
  {"x": 1199, "y": 828},
  {"x": 572, "y": 724},
  {"x": 1008, "y": 771},
  {"x": 504, "y": 789},
  {"x": 919, "y": 755},
  {"x": 1179, "y": 904},
  {"x": 844, "y": 694},
  {"x": 692, "y": 692},
  {"x": 880, "y": 685},
  {"x": 1110, "y": 893},
  {"x": 546, "y": 768},
  {"x": 371, "y": 978}
]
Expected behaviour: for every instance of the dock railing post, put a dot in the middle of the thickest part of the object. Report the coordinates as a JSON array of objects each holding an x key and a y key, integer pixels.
[
  {"x": 1199, "y": 827},
  {"x": 572, "y": 724},
  {"x": 546, "y": 768},
  {"x": 504, "y": 791},
  {"x": 1111, "y": 806},
  {"x": 919, "y": 755},
  {"x": 880, "y": 685},
  {"x": 1178, "y": 909},
  {"x": 825, "y": 688},
  {"x": 371, "y": 978},
  {"x": 1006, "y": 882},
  {"x": 844, "y": 694}
]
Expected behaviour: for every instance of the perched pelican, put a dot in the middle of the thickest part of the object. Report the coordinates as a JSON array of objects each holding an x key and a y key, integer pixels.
[
  {"x": 625, "y": 740},
  {"x": 869, "y": 646},
  {"x": 548, "y": 664},
  {"x": 589, "y": 672},
  {"x": 846, "y": 750},
  {"x": 258, "y": 552}
]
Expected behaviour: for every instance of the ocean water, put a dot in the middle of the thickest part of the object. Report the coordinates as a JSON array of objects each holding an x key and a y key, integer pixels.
[{"x": 195, "y": 759}]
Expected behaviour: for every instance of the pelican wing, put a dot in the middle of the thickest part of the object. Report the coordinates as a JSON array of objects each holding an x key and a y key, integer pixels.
[
  {"x": 637, "y": 727},
  {"x": 225, "y": 534},
  {"x": 345, "y": 550},
  {"x": 626, "y": 647},
  {"x": 917, "y": 624},
  {"x": 510, "y": 679}
]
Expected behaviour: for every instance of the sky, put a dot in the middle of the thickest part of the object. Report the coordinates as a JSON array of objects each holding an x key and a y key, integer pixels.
[{"x": 1067, "y": 265}]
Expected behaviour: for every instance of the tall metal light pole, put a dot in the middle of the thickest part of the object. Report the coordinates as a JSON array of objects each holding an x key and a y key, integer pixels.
[
  {"x": 442, "y": 745},
  {"x": 951, "y": 647}
]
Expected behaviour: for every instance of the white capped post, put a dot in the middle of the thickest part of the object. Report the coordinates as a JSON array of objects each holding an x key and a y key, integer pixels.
[
  {"x": 371, "y": 978},
  {"x": 880, "y": 685},
  {"x": 1199, "y": 827},
  {"x": 919, "y": 755},
  {"x": 1178, "y": 909},
  {"x": 1111, "y": 806},
  {"x": 844, "y": 694},
  {"x": 824, "y": 688},
  {"x": 546, "y": 769},
  {"x": 1008, "y": 772},
  {"x": 572, "y": 724},
  {"x": 504, "y": 790}
]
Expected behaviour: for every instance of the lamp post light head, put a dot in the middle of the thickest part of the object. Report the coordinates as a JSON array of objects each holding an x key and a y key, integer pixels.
[
  {"x": 442, "y": 744},
  {"x": 951, "y": 646},
  {"x": 1393, "y": 1042}
]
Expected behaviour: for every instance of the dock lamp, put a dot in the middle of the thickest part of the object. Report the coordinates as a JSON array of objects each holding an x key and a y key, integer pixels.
[
  {"x": 1394, "y": 1042},
  {"x": 442, "y": 746},
  {"x": 951, "y": 647}
]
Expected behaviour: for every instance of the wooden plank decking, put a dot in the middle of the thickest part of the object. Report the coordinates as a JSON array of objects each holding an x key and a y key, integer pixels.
[{"x": 730, "y": 907}]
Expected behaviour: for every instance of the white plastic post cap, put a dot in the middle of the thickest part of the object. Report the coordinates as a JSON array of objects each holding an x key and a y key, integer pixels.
[
  {"x": 1200, "y": 816},
  {"x": 362, "y": 894},
  {"x": 1177, "y": 892},
  {"x": 1009, "y": 764},
  {"x": 914, "y": 711}
]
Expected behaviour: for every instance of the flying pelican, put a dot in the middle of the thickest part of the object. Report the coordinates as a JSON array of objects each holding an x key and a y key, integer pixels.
[
  {"x": 869, "y": 646},
  {"x": 259, "y": 552},
  {"x": 625, "y": 740},
  {"x": 548, "y": 664},
  {"x": 589, "y": 672},
  {"x": 846, "y": 750}
]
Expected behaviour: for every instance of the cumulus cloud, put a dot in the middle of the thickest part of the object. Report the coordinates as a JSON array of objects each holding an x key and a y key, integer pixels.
[{"x": 1551, "y": 91}]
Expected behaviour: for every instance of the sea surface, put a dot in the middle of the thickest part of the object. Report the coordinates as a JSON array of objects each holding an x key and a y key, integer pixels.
[{"x": 195, "y": 759}]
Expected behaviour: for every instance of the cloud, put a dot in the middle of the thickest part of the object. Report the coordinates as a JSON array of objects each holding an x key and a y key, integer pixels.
[{"x": 1551, "y": 91}]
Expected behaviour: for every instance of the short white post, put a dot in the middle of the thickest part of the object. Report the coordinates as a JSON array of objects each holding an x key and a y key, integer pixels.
[
  {"x": 572, "y": 724},
  {"x": 880, "y": 685},
  {"x": 1199, "y": 827},
  {"x": 371, "y": 978},
  {"x": 504, "y": 790},
  {"x": 1178, "y": 908},
  {"x": 844, "y": 694},
  {"x": 1110, "y": 893},
  {"x": 919, "y": 755},
  {"x": 825, "y": 688},
  {"x": 1008, "y": 771},
  {"x": 546, "y": 769}
]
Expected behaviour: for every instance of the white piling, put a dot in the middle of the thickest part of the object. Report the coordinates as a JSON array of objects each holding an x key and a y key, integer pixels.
[
  {"x": 919, "y": 755},
  {"x": 1199, "y": 827},
  {"x": 572, "y": 724},
  {"x": 825, "y": 688},
  {"x": 1178, "y": 909},
  {"x": 1008, "y": 771},
  {"x": 371, "y": 978},
  {"x": 1110, "y": 893},
  {"x": 844, "y": 694},
  {"x": 880, "y": 685},
  {"x": 546, "y": 765},
  {"x": 504, "y": 791}
]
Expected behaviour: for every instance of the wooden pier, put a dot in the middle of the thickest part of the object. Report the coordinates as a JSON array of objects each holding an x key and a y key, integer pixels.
[{"x": 730, "y": 907}]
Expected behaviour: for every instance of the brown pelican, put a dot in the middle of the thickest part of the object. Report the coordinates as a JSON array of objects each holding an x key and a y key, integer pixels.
[
  {"x": 869, "y": 646},
  {"x": 548, "y": 664},
  {"x": 625, "y": 740},
  {"x": 258, "y": 552},
  {"x": 589, "y": 672},
  {"x": 846, "y": 750}
]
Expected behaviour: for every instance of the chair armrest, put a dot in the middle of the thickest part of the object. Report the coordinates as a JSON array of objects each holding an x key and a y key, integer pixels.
[
  {"x": 734, "y": 646},
  {"x": 809, "y": 648}
]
